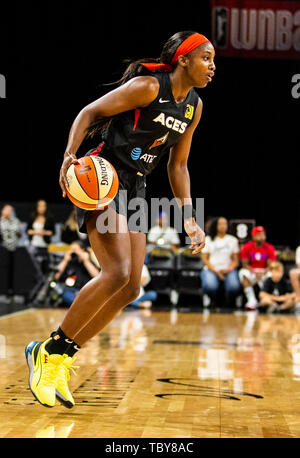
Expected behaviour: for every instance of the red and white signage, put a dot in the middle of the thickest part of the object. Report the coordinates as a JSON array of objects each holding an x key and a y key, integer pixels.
[{"x": 256, "y": 28}]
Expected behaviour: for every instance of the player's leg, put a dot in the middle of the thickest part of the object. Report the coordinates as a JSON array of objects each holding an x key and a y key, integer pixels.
[
  {"x": 113, "y": 251},
  {"x": 46, "y": 359},
  {"x": 106, "y": 313},
  {"x": 124, "y": 296}
]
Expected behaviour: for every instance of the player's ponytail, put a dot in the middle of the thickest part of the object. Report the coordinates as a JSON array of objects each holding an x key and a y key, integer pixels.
[{"x": 136, "y": 68}]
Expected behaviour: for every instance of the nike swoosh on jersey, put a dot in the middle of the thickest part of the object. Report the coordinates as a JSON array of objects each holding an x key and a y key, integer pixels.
[{"x": 163, "y": 101}]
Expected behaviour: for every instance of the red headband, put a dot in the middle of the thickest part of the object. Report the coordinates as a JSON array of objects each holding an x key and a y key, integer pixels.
[{"x": 190, "y": 43}]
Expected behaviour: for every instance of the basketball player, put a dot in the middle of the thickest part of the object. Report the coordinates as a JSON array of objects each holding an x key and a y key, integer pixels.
[{"x": 154, "y": 110}]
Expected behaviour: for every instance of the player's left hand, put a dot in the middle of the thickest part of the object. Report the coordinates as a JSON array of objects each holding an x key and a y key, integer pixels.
[{"x": 196, "y": 235}]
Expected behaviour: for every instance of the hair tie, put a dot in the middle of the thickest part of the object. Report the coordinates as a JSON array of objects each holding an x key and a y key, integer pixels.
[{"x": 157, "y": 67}]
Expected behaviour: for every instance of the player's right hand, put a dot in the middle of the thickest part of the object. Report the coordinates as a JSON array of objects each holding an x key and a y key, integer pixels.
[{"x": 63, "y": 182}]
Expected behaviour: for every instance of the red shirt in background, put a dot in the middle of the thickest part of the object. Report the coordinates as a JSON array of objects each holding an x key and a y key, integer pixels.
[{"x": 258, "y": 256}]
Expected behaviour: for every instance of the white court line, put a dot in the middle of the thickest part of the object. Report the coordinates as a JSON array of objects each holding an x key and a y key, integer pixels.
[{"x": 16, "y": 313}]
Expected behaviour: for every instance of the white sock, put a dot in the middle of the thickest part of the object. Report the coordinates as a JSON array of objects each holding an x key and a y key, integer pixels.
[{"x": 250, "y": 295}]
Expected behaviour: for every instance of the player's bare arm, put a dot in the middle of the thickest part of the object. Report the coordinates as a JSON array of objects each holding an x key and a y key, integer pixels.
[
  {"x": 137, "y": 92},
  {"x": 179, "y": 178}
]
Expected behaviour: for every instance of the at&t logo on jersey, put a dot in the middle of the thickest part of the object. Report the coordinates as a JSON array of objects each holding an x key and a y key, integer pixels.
[
  {"x": 171, "y": 123},
  {"x": 148, "y": 157},
  {"x": 135, "y": 153}
]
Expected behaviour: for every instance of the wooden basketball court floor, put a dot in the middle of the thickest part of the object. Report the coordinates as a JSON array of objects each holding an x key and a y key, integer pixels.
[{"x": 161, "y": 374}]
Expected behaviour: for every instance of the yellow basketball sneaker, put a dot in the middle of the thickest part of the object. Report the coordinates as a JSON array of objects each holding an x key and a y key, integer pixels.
[
  {"x": 43, "y": 372},
  {"x": 62, "y": 389}
]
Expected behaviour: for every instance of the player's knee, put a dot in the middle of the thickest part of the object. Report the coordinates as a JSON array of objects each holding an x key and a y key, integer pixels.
[
  {"x": 130, "y": 292},
  {"x": 133, "y": 292},
  {"x": 122, "y": 277},
  {"x": 117, "y": 276}
]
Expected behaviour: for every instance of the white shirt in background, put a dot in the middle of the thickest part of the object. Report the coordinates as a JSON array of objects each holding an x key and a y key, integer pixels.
[
  {"x": 38, "y": 240},
  {"x": 221, "y": 250},
  {"x": 298, "y": 256},
  {"x": 168, "y": 234}
]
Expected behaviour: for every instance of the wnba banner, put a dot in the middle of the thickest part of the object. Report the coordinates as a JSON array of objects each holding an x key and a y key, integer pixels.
[{"x": 256, "y": 28}]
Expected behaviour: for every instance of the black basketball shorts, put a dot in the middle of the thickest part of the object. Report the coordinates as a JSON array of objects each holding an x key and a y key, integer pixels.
[{"x": 129, "y": 200}]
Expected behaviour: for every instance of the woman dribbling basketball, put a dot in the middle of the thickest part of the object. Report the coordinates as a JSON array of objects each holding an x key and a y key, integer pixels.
[{"x": 154, "y": 110}]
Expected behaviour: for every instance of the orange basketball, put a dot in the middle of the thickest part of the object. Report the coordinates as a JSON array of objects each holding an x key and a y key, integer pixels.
[{"x": 93, "y": 183}]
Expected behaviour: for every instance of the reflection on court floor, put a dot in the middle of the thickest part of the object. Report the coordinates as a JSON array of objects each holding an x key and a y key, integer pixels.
[{"x": 162, "y": 374}]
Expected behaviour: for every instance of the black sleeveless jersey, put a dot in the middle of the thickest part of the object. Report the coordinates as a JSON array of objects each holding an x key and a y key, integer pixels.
[{"x": 137, "y": 139}]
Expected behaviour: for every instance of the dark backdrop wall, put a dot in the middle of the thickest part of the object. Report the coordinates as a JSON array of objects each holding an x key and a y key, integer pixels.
[{"x": 56, "y": 56}]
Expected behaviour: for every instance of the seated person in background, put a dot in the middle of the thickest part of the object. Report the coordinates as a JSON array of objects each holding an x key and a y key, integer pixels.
[
  {"x": 277, "y": 293},
  {"x": 220, "y": 257},
  {"x": 295, "y": 275},
  {"x": 76, "y": 269},
  {"x": 145, "y": 298},
  {"x": 256, "y": 257},
  {"x": 70, "y": 231},
  {"x": 162, "y": 234}
]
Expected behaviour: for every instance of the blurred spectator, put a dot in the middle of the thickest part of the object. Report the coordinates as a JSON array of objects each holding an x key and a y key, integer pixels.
[
  {"x": 221, "y": 259},
  {"x": 295, "y": 275},
  {"x": 277, "y": 292},
  {"x": 10, "y": 232},
  {"x": 70, "y": 231},
  {"x": 208, "y": 220},
  {"x": 256, "y": 257},
  {"x": 75, "y": 270},
  {"x": 10, "y": 228},
  {"x": 162, "y": 234},
  {"x": 40, "y": 229},
  {"x": 145, "y": 298}
]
